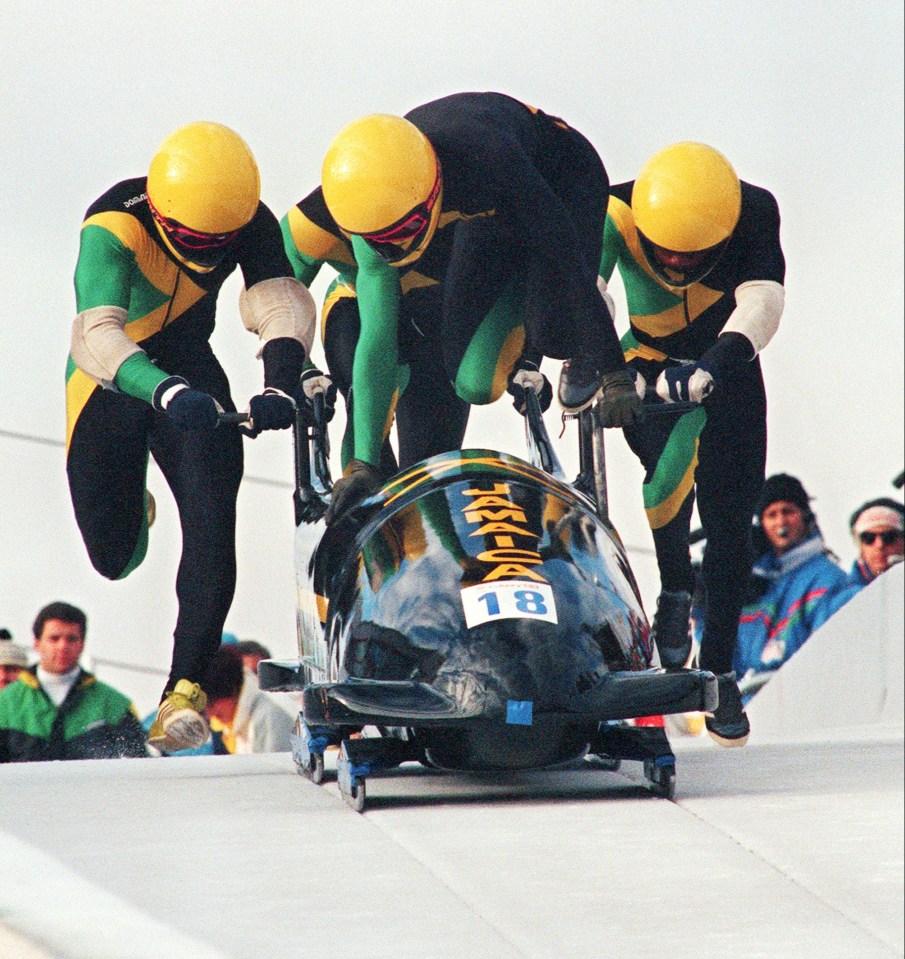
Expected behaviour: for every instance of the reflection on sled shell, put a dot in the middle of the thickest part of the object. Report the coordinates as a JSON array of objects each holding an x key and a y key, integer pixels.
[{"x": 484, "y": 607}]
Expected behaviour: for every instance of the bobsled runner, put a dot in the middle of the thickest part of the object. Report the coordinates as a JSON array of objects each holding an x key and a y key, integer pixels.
[{"x": 480, "y": 614}]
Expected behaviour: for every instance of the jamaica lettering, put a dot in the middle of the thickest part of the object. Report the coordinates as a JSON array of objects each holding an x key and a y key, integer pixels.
[{"x": 500, "y": 519}]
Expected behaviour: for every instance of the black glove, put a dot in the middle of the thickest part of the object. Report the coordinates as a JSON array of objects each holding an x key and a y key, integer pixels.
[
  {"x": 361, "y": 481},
  {"x": 189, "y": 409},
  {"x": 312, "y": 383},
  {"x": 620, "y": 400},
  {"x": 527, "y": 374},
  {"x": 270, "y": 410}
]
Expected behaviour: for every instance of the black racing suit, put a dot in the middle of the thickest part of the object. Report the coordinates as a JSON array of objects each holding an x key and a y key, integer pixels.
[
  {"x": 515, "y": 254},
  {"x": 124, "y": 263},
  {"x": 717, "y": 453},
  {"x": 429, "y": 417}
]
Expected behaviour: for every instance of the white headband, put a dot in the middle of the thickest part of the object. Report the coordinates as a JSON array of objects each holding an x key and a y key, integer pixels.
[{"x": 879, "y": 516}]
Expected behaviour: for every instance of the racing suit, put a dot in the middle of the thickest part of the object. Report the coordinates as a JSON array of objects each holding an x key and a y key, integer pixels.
[
  {"x": 717, "y": 452},
  {"x": 429, "y": 417},
  {"x": 515, "y": 256},
  {"x": 144, "y": 316}
]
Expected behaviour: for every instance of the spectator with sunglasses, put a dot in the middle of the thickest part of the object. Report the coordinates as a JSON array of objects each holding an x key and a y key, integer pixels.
[
  {"x": 878, "y": 529},
  {"x": 794, "y": 584},
  {"x": 142, "y": 378},
  {"x": 496, "y": 208}
]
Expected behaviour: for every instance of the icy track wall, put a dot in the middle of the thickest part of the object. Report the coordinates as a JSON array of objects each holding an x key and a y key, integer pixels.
[{"x": 849, "y": 673}]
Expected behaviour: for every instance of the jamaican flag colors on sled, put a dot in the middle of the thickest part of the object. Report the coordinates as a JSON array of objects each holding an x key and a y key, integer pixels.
[{"x": 481, "y": 614}]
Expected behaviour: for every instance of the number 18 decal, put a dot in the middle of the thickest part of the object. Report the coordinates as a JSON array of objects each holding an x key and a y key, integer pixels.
[{"x": 509, "y": 599}]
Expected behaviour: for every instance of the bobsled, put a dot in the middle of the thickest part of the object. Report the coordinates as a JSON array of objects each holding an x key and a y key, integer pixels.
[{"x": 479, "y": 613}]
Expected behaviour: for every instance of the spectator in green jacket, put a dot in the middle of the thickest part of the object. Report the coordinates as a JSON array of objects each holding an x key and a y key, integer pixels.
[{"x": 57, "y": 710}]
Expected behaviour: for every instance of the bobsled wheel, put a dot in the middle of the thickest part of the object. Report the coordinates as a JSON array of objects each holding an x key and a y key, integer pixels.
[
  {"x": 314, "y": 769},
  {"x": 354, "y": 795},
  {"x": 661, "y": 778}
]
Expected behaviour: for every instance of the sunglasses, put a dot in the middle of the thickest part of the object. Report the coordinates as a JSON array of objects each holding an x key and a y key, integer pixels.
[
  {"x": 191, "y": 239},
  {"x": 887, "y": 537},
  {"x": 396, "y": 240}
]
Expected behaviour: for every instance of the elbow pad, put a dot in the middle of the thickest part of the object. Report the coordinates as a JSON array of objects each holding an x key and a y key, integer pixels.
[
  {"x": 277, "y": 308},
  {"x": 100, "y": 344},
  {"x": 758, "y": 308}
]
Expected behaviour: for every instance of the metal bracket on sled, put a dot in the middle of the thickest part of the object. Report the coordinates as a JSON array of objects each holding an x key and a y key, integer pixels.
[
  {"x": 312, "y": 460},
  {"x": 540, "y": 450},
  {"x": 281, "y": 675}
]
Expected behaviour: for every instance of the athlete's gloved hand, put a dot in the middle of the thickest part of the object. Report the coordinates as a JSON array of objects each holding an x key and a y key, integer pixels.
[
  {"x": 361, "y": 481},
  {"x": 620, "y": 402},
  {"x": 312, "y": 383},
  {"x": 271, "y": 410},
  {"x": 189, "y": 409},
  {"x": 527, "y": 375},
  {"x": 689, "y": 383}
]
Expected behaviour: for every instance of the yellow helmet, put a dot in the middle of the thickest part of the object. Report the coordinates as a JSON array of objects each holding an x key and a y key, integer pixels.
[
  {"x": 203, "y": 186},
  {"x": 381, "y": 180},
  {"x": 686, "y": 202}
]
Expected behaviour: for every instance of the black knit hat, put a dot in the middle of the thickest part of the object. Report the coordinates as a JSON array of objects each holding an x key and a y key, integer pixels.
[{"x": 782, "y": 488}]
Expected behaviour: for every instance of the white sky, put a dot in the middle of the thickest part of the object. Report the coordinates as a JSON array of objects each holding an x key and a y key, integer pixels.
[{"x": 806, "y": 102}]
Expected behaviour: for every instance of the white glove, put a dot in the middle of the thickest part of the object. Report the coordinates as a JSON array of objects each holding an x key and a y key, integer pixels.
[
  {"x": 690, "y": 383},
  {"x": 319, "y": 383}
]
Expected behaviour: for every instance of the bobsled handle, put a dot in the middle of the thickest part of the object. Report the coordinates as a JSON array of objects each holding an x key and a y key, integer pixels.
[
  {"x": 540, "y": 450},
  {"x": 660, "y": 407},
  {"x": 320, "y": 442},
  {"x": 230, "y": 418}
]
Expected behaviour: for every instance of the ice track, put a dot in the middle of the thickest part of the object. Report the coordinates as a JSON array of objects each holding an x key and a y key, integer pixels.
[{"x": 789, "y": 849}]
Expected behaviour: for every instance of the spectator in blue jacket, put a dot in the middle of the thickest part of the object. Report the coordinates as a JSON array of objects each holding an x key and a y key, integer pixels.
[
  {"x": 878, "y": 529},
  {"x": 794, "y": 581}
]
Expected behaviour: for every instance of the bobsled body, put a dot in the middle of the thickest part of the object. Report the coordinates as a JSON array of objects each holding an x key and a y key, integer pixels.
[{"x": 484, "y": 612}]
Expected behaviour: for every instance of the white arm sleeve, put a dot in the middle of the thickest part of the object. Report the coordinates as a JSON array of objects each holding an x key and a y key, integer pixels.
[
  {"x": 758, "y": 307},
  {"x": 281, "y": 306},
  {"x": 100, "y": 344}
]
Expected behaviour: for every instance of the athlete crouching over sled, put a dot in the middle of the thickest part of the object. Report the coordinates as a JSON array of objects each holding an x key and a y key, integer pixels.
[
  {"x": 700, "y": 258},
  {"x": 501, "y": 208},
  {"x": 143, "y": 378}
]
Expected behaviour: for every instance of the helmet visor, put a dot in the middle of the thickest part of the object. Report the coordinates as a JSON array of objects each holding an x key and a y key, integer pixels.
[
  {"x": 205, "y": 249},
  {"x": 680, "y": 269},
  {"x": 398, "y": 241}
]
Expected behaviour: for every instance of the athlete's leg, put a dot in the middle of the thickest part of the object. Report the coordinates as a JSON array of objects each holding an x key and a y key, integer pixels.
[
  {"x": 667, "y": 446},
  {"x": 668, "y": 450},
  {"x": 729, "y": 479},
  {"x": 564, "y": 313},
  {"x": 107, "y": 463},
  {"x": 340, "y": 329},
  {"x": 203, "y": 469},
  {"x": 430, "y": 417},
  {"x": 483, "y": 313}
]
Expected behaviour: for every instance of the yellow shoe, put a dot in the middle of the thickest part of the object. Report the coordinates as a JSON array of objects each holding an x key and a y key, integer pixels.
[
  {"x": 694, "y": 723},
  {"x": 180, "y": 722}
]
